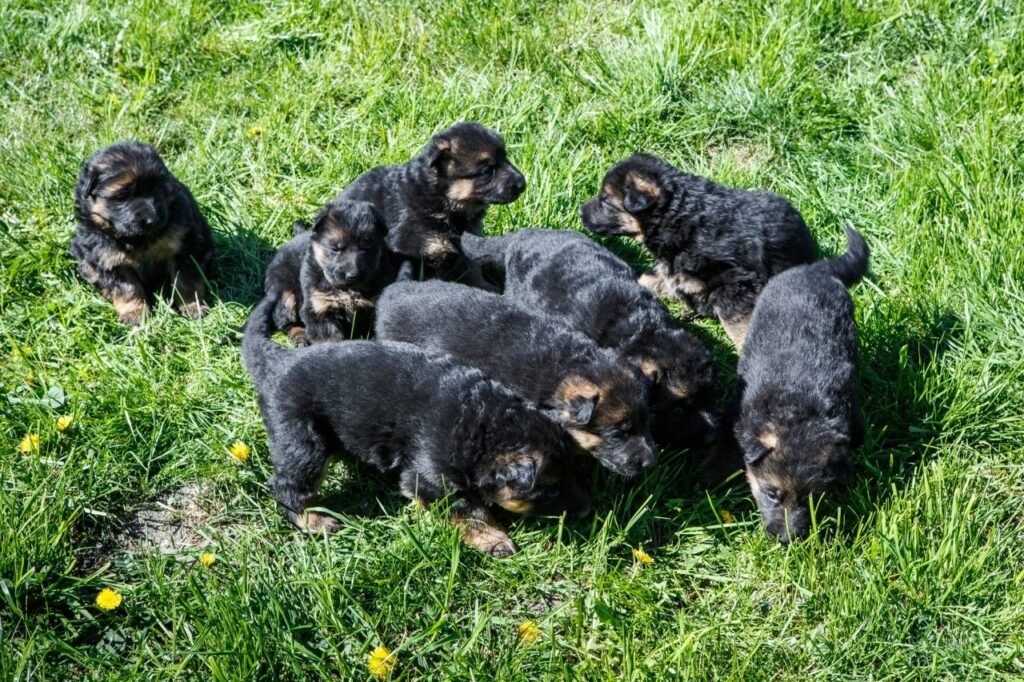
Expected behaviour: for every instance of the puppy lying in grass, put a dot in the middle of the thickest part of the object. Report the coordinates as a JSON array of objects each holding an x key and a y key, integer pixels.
[
  {"x": 441, "y": 428},
  {"x": 567, "y": 276},
  {"x": 441, "y": 193},
  {"x": 140, "y": 232},
  {"x": 714, "y": 247},
  {"x": 328, "y": 277},
  {"x": 798, "y": 411},
  {"x": 601, "y": 400}
]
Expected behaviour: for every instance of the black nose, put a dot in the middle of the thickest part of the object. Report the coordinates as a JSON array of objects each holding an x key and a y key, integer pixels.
[{"x": 520, "y": 183}]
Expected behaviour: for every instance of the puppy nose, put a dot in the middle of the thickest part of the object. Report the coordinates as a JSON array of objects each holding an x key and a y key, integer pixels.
[
  {"x": 650, "y": 456},
  {"x": 520, "y": 183}
]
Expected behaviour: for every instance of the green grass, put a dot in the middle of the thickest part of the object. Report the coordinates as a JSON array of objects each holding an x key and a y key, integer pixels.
[{"x": 906, "y": 117}]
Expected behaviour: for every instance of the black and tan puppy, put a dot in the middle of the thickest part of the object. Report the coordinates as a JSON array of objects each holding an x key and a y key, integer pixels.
[
  {"x": 441, "y": 428},
  {"x": 329, "y": 276},
  {"x": 601, "y": 400},
  {"x": 798, "y": 411},
  {"x": 714, "y": 247},
  {"x": 441, "y": 193},
  {"x": 140, "y": 232},
  {"x": 567, "y": 276}
]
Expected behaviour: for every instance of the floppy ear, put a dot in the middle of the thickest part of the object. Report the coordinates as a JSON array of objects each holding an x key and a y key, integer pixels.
[
  {"x": 580, "y": 409},
  {"x": 636, "y": 200},
  {"x": 755, "y": 453},
  {"x": 319, "y": 221},
  {"x": 518, "y": 473},
  {"x": 762, "y": 445},
  {"x": 437, "y": 151},
  {"x": 87, "y": 182}
]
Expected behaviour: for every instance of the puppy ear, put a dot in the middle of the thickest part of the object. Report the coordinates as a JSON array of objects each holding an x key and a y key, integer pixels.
[
  {"x": 762, "y": 445},
  {"x": 576, "y": 399},
  {"x": 636, "y": 200},
  {"x": 320, "y": 221},
  {"x": 580, "y": 409},
  {"x": 437, "y": 151},
  {"x": 755, "y": 453},
  {"x": 518, "y": 473},
  {"x": 87, "y": 182}
]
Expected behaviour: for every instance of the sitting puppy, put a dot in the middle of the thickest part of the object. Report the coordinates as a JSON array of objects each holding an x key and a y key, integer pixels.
[
  {"x": 445, "y": 191},
  {"x": 601, "y": 400},
  {"x": 714, "y": 247},
  {"x": 567, "y": 276},
  {"x": 798, "y": 411},
  {"x": 329, "y": 277},
  {"x": 139, "y": 232},
  {"x": 443, "y": 429}
]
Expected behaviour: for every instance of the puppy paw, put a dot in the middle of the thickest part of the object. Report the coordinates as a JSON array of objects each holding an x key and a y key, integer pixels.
[
  {"x": 132, "y": 314},
  {"x": 489, "y": 540},
  {"x": 315, "y": 522},
  {"x": 193, "y": 309}
]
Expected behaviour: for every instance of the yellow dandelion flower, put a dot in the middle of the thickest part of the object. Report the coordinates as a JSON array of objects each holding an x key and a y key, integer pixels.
[
  {"x": 254, "y": 132},
  {"x": 529, "y": 632},
  {"x": 30, "y": 379},
  {"x": 642, "y": 557},
  {"x": 64, "y": 422},
  {"x": 240, "y": 451},
  {"x": 727, "y": 517},
  {"x": 29, "y": 443},
  {"x": 108, "y": 599},
  {"x": 207, "y": 559},
  {"x": 19, "y": 353},
  {"x": 381, "y": 662}
]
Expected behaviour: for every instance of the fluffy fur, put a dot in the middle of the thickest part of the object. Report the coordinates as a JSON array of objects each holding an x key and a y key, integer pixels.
[
  {"x": 442, "y": 429},
  {"x": 140, "y": 233},
  {"x": 714, "y": 247},
  {"x": 569, "y": 277},
  {"x": 328, "y": 277},
  {"x": 600, "y": 399},
  {"x": 798, "y": 411},
  {"x": 441, "y": 193}
]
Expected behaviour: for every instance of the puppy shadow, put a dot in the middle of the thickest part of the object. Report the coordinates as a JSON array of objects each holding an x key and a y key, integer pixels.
[{"x": 240, "y": 259}]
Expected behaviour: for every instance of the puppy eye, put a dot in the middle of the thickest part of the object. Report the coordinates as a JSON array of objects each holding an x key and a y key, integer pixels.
[
  {"x": 625, "y": 426},
  {"x": 773, "y": 494},
  {"x": 486, "y": 174}
]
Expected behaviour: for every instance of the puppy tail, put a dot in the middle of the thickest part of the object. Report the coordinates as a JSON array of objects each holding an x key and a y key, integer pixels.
[
  {"x": 850, "y": 267},
  {"x": 259, "y": 353},
  {"x": 486, "y": 250}
]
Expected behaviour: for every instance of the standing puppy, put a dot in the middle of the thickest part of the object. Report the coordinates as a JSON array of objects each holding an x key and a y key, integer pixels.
[
  {"x": 567, "y": 276},
  {"x": 329, "y": 277},
  {"x": 430, "y": 201},
  {"x": 798, "y": 411},
  {"x": 442, "y": 429},
  {"x": 714, "y": 247},
  {"x": 601, "y": 400},
  {"x": 139, "y": 232}
]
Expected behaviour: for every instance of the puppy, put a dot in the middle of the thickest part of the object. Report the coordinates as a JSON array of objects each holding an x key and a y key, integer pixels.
[
  {"x": 601, "y": 400},
  {"x": 441, "y": 193},
  {"x": 139, "y": 232},
  {"x": 567, "y": 276},
  {"x": 441, "y": 428},
  {"x": 798, "y": 411},
  {"x": 329, "y": 277},
  {"x": 714, "y": 247}
]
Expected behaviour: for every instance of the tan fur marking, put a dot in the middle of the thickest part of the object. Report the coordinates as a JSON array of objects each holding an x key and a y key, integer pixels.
[
  {"x": 461, "y": 190},
  {"x": 586, "y": 440},
  {"x": 119, "y": 183},
  {"x": 324, "y": 302},
  {"x": 679, "y": 389},
  {"x": 574, "y": 386},
  {"x": 649, "y": 367},
  {"x": 131, "y": 310},
  {"x": 111, "y": 258},
  {"x": 438, "y": 246},
  {"x": 657, "y": 280},
  {"x": 737, "y": 330},
  {"x": 631, "y": 226},
  {"x": 297, "y": 335},
  {"x": 506, "y": 500},
  {"x": 168, "y": 245},
  {"x": 291, "y": 304},
  {"x": 769, "y": 437},
  {"x": 484, "y": 534},
  {"x": 688, "y": 284},
  {"x": 317, "y": 522},
  {"x": 644, "y": 184}
]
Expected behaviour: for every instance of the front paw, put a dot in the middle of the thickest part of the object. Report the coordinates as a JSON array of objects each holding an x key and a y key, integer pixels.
[
  {"x": 132, "y": 314},
  {"x": 489, "y": 540}
]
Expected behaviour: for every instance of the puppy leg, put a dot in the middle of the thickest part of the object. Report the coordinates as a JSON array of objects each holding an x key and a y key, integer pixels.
[
  {"x": 480, "y": 530},
  {"x": 121, "y": 287},
  {"x": 657, "y": 280},
  {"x": 189, "y": 288},
  {"x": 300, "y": 465},
  {"x": 286, "y": 318},
  {"x": 733, "y": 296}
]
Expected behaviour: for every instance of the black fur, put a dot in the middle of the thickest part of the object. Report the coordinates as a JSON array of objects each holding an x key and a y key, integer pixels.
[
  {"x": 569, "y": 277},
  {"x": 441, "y": 193},
  {"x": 714, "y": 247},
  {"x": 798, "y": 411},
  {"x": 440, "y": 428},
  {"x": 601, "y": 399},
  {"x": 140, "y": 232},
  {"x": 328, "y": 277}
]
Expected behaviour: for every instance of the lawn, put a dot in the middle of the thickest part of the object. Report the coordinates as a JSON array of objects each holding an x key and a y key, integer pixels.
[{"x": 905, "y": 117}]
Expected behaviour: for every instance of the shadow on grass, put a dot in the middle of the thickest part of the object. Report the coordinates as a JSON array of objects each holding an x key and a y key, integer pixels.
[{"x": 240, "y": 261}]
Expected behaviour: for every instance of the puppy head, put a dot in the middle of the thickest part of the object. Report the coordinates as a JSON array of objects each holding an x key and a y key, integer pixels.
[
  {"x": 347, "y": 242},
  {"x": 607, "y": 416},
  {"x": 126, "y": 191},
  {"x": 470, "y": 167},
  {"x": 787, "y": 465},
  {"x": 632, "y": 193}
]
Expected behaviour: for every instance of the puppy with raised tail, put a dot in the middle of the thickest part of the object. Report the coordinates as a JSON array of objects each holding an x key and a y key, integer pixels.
[
  {"x": 442, "y": 429},
  {"x": 569, "y": 277},
  {"x": 600, "y": 398},
  {"x": 796, "y": 410}
]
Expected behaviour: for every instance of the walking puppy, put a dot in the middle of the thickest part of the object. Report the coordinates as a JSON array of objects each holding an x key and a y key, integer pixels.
[
  {"x": 441, "y": 193},
  {"x": 601, "y": 400},
  {"x": 798, "y": 411},
  {"x": 567, "y": 276},
  {"x": 714, "y": 247},
  {"x": 441, "y": 428},
  {"x": 139, "y": 232},
  {"x": 329, "y": 277}
]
